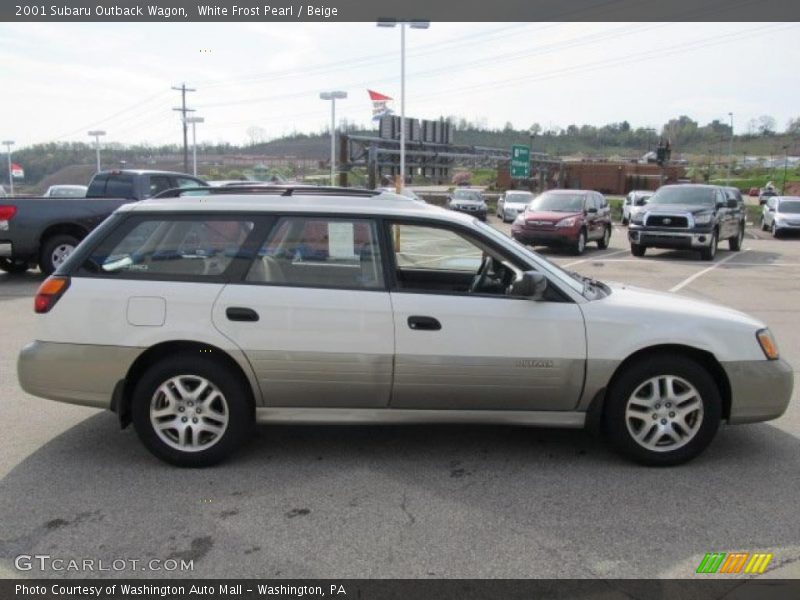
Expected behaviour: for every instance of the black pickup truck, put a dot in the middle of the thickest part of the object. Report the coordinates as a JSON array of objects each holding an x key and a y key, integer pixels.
[
  {"x": 44, "y": 231},
  {"x": 689, "y": 217}
]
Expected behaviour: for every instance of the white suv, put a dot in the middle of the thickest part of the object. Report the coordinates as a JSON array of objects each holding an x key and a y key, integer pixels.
[{"x": 197, "y": 317}]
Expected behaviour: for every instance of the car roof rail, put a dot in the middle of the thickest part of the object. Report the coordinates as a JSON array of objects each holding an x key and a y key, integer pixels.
[{"x": 269, "y": 189}]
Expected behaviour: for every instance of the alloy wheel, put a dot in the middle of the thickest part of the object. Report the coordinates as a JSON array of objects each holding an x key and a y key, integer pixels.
[
  {"x": 60, "y": 254},
  {"x": 189, "y": 413},
  {"x": 664, "y": 413}
]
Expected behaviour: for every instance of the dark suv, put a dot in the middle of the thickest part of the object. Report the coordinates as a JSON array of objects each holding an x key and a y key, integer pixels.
[
  {"x": 565, "y": 218},
  {"x": 690, "y": 217}
]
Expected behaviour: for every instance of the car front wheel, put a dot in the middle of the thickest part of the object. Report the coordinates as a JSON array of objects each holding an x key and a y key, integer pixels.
[
  {"x": 663, "y": 410},
  {"x": 603, "y": 242},
  {"x": 710, "y": 252},
  {"x": 191, "y": 411},
  {"x": 638, "y": 249},
  {"x": 580, "y": 243},
  {"x": 735, "y": 243}
]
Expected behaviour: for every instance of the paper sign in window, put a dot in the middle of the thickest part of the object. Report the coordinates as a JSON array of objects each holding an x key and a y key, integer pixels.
[{"x": 341, "y": 240}]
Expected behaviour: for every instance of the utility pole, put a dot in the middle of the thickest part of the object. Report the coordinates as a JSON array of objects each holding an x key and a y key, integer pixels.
[
  {"x": 730, "y": 152},
  {"x": 183, "y": 110},
  {"x": 785, "y": 168},
  {"x": 8, "y": 144},
  {"x": 96, "y": 133}
]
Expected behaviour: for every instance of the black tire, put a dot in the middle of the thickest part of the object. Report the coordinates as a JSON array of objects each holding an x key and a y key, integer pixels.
[
  {"x": 775, "y": 231},
  {"x": 735, "y": 243},
  {"x": 638, "y": 249},
  {"x": 614, "y": 413},
  {"x": 49, "y": 246},
  {"x": 236, "y": 395},
  {"x": 14, "y": 267},
  {"x": 711, "y": 252},
  {"x": 624, "y": 221},
  {"x": 579, "y": 246},
  {"x": 602, "y": 243},
  {"x": 764, "y": 226}
]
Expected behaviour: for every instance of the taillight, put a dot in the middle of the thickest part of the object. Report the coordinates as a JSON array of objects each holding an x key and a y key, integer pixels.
[
  {"x": 7, "y": 212},
  {"x": 49, "y": 293}
]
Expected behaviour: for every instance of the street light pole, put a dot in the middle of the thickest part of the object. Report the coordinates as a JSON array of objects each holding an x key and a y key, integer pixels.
[
  {"x": 414, "y": 24},
  {"x": 96, "y": 134},
  {"x": 332, "y": 96},
  {"x": 194, "y": 121},
  {"x": 730, "y": 152},
  {"x": 8, "y": 144},
  {"x": 785, "y": 168}
]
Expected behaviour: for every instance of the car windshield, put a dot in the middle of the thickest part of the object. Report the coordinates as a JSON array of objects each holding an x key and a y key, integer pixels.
[
  {"x": 693, "y": 196},
  {"x": 519, "y": 198},
  {"x": 789, "y": 206},
  {"x": 559, "y": 202},
  {"x": 467, "y": 195}
]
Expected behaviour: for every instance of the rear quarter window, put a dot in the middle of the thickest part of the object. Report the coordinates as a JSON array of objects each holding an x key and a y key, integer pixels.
[{"x": 97, "y": 187}]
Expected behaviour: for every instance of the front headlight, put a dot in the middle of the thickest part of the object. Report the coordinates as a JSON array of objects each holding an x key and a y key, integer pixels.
[
  {"x": 703, "y": 219},
  {"x": 638, "y": 218},
  {"x": 568, "y": 222},
  {"x": 768, "y": 344}
]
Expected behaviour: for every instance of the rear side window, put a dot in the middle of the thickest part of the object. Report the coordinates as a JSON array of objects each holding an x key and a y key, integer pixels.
[
  {"x": 198, "y": 247},
  {"x": 159, "y": 183},
  {"x": 320, "y": 252}
]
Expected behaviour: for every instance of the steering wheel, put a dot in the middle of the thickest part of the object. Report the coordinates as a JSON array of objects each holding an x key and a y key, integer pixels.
[{"x": 480, "y": 277}]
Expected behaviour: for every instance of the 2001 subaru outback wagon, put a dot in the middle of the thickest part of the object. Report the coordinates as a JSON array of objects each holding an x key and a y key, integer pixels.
[{"x": 195, "y": 317}]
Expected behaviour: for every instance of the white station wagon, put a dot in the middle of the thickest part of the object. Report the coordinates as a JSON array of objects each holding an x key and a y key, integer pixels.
[{"x": 196, "y": 317}]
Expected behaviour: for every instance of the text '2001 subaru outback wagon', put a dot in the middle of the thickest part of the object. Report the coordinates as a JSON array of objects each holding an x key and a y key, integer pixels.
[{"x": 196, "y": 317}]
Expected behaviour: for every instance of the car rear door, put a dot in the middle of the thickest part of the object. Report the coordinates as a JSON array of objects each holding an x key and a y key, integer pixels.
[
  {"x": 313, "y": 315},
  {"x": 456, "y": 349}
]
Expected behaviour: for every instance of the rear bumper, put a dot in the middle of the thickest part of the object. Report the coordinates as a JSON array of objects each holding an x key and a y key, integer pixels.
[
  {"x": 6, "y": 250},
  {"x": 664, "y": 238},
  {"x": 75, "y": 373},
  {"x": 760, "y": 389}
]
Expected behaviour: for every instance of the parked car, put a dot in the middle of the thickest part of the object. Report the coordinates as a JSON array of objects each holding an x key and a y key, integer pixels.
[
  {"x": 407, "y": 192},
  {"x": 216, "y": 316},
  {"x": 634, "y": 201},
  {"x": 512, "y": 203},
  {"x": 66, "y": 191},
  {"x": 781, "y": 214},
  {"x": 766, "y": 193},
  {"x": 753, "y": 192},
  {"x": 468, "y": 201},
  {"x": 570, "y": 218},
  {"x": 44, "y": 231},
  {"x": 690, "y": 217}
]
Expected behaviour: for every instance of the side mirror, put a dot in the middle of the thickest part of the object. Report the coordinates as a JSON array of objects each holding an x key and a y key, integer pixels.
[
  {"x": 770, "y": 209},
  {"x": 531, "y": 284},
  {"x": 720, "y": 204}
]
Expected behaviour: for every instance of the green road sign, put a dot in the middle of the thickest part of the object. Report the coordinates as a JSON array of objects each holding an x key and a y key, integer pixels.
[{"x": 520, "y": 162}]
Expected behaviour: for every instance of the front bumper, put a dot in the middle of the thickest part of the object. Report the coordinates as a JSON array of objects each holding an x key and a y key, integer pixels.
[
  {"x": 76, "y": 373},
  {"x": 553, "y": 237},
  {"x": 475, "y": 212},
  {"x": 760, "y": 389},
  {"x": 670, "y": 238}
]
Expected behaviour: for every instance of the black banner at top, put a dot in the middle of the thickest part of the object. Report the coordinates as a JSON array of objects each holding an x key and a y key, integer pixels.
[{"x": 373, "y": 10}]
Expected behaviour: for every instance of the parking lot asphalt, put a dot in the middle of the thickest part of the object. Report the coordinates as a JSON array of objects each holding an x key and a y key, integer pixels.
[{"x": 414, "y": 501}]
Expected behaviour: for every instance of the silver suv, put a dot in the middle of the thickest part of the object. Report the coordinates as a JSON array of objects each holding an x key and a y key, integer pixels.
[{"x": 197, "y": 317}]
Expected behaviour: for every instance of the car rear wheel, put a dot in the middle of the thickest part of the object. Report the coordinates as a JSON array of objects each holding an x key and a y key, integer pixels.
[
  {"x": 735, "y": 243},
  {"x": 663, "y": 410},
  {"x": 602, "y": 243},
  {"x": 638, "y": 249},
  {"x": 12, "y": 266},
  {"x": 191, "y": 411},
  {"x": 55, "y": 251},
  {"x": 711, "y": 252},
  {"x": 580, "y": 243}
]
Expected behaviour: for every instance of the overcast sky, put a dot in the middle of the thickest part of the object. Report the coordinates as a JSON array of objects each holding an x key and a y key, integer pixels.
[{"x": 60, "y": 80}]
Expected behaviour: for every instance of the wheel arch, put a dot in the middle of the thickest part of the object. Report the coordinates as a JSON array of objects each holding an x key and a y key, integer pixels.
[
  {"x": 704, "y": 358},
  {"x": 73, "y": 229},
  {"x": 123, "y": 392}
]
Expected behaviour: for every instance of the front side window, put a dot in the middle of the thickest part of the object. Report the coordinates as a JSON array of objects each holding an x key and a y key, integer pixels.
[
  {"x": 431, "y": 248},
  {"x": 199, "y": 247},
  {"x": 187, "y": 182},
  {"x": 320, "y": 252}
]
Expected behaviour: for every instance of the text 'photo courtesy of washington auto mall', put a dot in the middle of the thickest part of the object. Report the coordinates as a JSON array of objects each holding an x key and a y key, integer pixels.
[{"x": 379, "y": 300}]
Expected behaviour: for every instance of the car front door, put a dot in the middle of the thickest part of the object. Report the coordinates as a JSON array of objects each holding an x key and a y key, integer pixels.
[
  {"x": 592, "y": 211},
  {"x": 313, "y": 315},
  {"x": 462, "y": 347}
]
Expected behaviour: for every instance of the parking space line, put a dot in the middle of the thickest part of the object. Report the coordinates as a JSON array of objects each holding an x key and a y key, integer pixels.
[
  {"x": 687, "y": 263},
  {"x": 691, "y": 278},
  {"x": 589, "y": 258}
]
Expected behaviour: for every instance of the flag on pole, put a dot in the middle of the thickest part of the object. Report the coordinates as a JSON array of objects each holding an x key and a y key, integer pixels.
[
  {"x": 380, "y": 105},
  {"x": 17, "y": 172}
]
